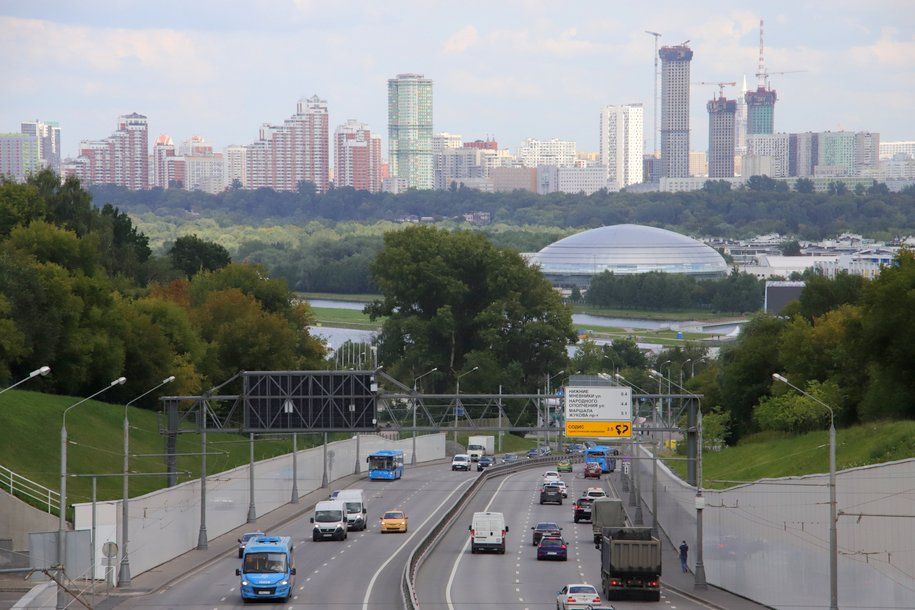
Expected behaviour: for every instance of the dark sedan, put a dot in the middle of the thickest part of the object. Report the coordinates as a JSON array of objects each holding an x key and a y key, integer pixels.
[
  {"x": 581, "y": 511},
  {"x": 545, "y": 528},
  {"x": 552, "y": 548},
  {"x": 551, "y": 494},
  {"x": 485, "y": 462}
]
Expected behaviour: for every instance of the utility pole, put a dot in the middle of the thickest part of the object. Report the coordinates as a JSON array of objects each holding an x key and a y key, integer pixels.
[{"x": 654, "y": 133}]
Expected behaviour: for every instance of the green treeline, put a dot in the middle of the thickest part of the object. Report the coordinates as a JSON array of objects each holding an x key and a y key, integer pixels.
[
  {"x": 736, "y": 293},
  {"x": 760, "y": 208},
  {"x": 849, "y": 342},
  {"x": 81, "y": 291}
]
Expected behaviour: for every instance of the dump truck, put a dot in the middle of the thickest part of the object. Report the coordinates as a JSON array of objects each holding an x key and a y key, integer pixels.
[
  {"x": 606, "y": 512},
  {"x": 630, "y": 564}
]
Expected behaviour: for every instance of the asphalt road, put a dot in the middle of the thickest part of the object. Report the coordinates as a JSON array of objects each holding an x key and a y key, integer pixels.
[
  {"x": 362, "y": 572},
  {"x": 452, "y": 578}
]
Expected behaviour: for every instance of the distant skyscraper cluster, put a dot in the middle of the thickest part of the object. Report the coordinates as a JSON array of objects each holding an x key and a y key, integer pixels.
[{"x": 742, "y": 142}]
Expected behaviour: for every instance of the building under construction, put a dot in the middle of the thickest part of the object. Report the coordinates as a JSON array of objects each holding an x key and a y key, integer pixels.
[
  {"x": 721, "y": 124},
  {"x": 761, "y": 103}
]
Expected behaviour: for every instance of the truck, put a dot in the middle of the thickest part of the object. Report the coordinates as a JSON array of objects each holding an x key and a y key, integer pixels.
[
  {"x": 606, "y": 512},
  {"x": 267, "y": 568},
  {"x": 356, "y": 509},
  {"x": 630, "y": 564},
  {"x": 478, "y": 446}
]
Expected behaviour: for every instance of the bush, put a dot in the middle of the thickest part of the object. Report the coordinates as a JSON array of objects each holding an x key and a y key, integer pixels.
[{"x": 797, "y": 413}]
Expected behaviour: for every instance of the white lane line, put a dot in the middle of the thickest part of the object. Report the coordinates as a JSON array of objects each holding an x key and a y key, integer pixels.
[
  {"x": 368, "y": 591},
  {"x": 457, "y": 561}
]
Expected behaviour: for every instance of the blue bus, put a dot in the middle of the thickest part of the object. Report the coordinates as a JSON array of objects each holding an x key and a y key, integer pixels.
[
  {"x": 603, "y": 455},
  {"x": 267, "y": 569},
  {"x": 385, "y": 465}
]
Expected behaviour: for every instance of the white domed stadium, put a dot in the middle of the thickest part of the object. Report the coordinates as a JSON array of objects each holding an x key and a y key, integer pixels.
[{"x": 626, "y": 249}]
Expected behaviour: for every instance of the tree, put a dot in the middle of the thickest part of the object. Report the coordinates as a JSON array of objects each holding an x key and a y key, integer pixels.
[
  {"x": 191, "y": 255},
  {"x": 821, "y": 294},
  {"x": 804, "y": 185},
  {"x": 450, "y": 298},
  {"x": 791, "y": 248}
]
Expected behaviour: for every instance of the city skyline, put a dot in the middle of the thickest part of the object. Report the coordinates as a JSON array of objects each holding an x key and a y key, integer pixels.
[{"x": 216, "y": 73}]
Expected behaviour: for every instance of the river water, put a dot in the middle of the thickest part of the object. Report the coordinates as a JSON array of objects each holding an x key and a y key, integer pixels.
[{"x": 694, "y": 326}]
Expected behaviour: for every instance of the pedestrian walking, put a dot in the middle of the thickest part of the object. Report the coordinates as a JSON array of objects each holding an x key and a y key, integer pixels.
[{"x": 684, "y": 551}]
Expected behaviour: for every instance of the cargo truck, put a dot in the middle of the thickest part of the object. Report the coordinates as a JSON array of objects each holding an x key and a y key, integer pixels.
[
  {"x": 606, "y": 512},
  {"x": 630, "y": 563},
  {"x": 478, "y": 446}
]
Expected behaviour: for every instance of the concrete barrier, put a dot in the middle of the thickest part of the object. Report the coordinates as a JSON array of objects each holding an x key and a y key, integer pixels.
[
  {"x": 165, "y": 523},
  {"x": 769, "y": 540}
]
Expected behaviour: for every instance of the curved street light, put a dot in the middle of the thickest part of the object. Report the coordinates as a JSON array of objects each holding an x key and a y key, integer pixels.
[
  {"x": 833, "y": 533},
  {"x": 43, "y": 371},
  {"x": 457, "y": 381}
]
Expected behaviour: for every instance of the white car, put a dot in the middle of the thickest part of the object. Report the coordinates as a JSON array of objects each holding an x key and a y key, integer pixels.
[
  {"x": 562, "y": 487},
  {"x": 577, "y": 596},
  {"x": 461, "y": 461},
  {"x": 551, "y": 474},
  {"x": 595, "y": 492}
]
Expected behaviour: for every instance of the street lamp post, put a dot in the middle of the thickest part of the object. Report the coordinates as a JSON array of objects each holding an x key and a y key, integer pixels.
[
  {"x": 37, "y": 372},
  {"x": 62, "y": 523},
  {"x": 833, "y": 533},
  {"x": 458, "y": 399},
  {"x": 124, "y": 570},
  {"x": 549, "y": 378},
  {"x": 415, "y": 381}
]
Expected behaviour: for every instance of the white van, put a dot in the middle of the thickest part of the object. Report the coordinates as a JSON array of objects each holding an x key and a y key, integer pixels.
[
  {"x": 356, "y": 510},
  {"x": 488, "y": 532},
  {"x": 329, "y": 520}
]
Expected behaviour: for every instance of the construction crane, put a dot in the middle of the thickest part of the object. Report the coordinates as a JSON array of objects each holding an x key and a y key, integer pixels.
[
  {"x": 762, "y": 75},
  {"x": 654, "y": 115},
  {"x": 766, "y": 75},
  {"x": 721, "y": 86}
]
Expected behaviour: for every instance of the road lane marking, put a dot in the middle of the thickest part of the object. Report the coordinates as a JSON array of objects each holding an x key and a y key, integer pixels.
[
  {"x": 368, "y": 591},
  {"x": 466, "y": 544}
]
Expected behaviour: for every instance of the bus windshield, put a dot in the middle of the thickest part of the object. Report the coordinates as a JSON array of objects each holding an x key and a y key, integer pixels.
[
  {"x": 381, "y": 462},
  {"x": 265, "y": 563}
]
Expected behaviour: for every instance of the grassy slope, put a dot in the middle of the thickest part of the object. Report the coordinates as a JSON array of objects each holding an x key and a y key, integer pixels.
[
  {"x": 651, "y": 314},
  {"x": 30, "y": 444},
  {"x": 346, "y": 318},
  {"x": 776, "y": 455}
]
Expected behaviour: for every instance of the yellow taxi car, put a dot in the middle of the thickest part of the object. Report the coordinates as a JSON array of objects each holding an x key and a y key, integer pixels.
[{"x": 393, "y": 521}]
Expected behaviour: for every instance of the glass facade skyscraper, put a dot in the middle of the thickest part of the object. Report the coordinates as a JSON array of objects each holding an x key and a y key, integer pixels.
[{"x": 410, "y": 129}]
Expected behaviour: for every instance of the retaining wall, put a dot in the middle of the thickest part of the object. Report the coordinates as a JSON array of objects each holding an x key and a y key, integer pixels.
[
  {"x": 165, "y": 523},
  {"x": 769, "y": 541}
]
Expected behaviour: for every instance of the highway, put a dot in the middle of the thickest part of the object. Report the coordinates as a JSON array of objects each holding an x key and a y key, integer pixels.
[
  {"x": 452, "y": 578},
  {"x": 360, "y": 573}
]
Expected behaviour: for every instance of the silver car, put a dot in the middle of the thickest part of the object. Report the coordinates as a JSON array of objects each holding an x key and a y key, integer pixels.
[{"x": 578, "y": 596}]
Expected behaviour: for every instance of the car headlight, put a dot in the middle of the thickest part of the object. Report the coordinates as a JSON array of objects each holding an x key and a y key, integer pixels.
[
  {"x": 284, "y": 583},
  {"x": 244, "y": 583},
  {"x": 339, "y": 526}
]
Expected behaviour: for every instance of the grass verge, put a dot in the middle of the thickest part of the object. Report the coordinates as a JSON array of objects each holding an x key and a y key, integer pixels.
[
  {"x": 345, "y": 318},
  {"x": 30, "y": 445},
  {"x": 650, "y": 314},
  {"x": 769, "y": 455},
  {"x": 511, "y": 443}
]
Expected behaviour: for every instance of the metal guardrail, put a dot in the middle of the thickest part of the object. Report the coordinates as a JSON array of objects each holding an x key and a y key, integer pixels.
[
  {"x": 26, "y": 489},
  {"x": 428, "y": 542}
]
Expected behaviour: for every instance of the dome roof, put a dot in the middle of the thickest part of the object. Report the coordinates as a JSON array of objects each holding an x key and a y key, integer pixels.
[{"x": 629, "y": 249}]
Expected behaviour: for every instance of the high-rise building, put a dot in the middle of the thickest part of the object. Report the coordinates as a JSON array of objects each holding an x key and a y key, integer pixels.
[
  {"x": 867, "y": 150},
  {"x": 121, "y": 159},
  {"x": 443, "y": 140},
  {"x": 767, "y": 153},
  {"x": 235, "y": 160},
  {"x": 651, "y": 167},
  {"x": 675, "y": 62},
  {"x": 20, "y": 156},
  {"x": 357, "y": 157},
  {"x": 761, "y": 110},
  {"x": 557, "y": 179},
  {"x": 803, "y": 154},
  {"x": 48, "y": 134},
  {"x": 455, "y": 165},
  {"x": 164, "y": 155},
  {"x": 205, "y": 172},
  {"x": 698, "y": 163},
  {"x": 621, "y": 146},
  {"x": 410, "y": 129},
  {"x": 836, "y": 153},
  {"x": 284, "y": 156},
  {"x": 533, "y": 153},
  {"x": 722, "y": 114},
  {"x": 740, "y": 122},
  {"x": 888, "y": 150}
]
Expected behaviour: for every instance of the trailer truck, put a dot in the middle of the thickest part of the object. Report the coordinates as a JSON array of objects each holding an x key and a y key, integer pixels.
[
  {"x": 630, "y": 563},
  {"x": 606, "y": 512},
  {"x": 478, "y": 446}
]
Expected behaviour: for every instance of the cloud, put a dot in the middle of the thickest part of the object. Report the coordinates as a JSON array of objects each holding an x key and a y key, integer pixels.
[
  {"x": 886, "y": 53},
  {"x": 493, "y": 86},
  {"x": 461, "y": 40}
]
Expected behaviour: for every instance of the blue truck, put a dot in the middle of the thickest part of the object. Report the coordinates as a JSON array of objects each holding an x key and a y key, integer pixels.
[{"x": 267, "y": 568}]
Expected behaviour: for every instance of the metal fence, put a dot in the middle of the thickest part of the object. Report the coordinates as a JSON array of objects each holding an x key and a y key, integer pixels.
[{"x": 28, "y": 490}]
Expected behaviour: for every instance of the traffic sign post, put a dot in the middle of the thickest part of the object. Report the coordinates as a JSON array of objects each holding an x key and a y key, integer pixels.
[{"x": 598, "y": 411}]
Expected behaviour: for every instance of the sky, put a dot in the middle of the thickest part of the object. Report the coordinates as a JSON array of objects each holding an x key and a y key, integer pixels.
[{"x": 508, "y": 69}]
